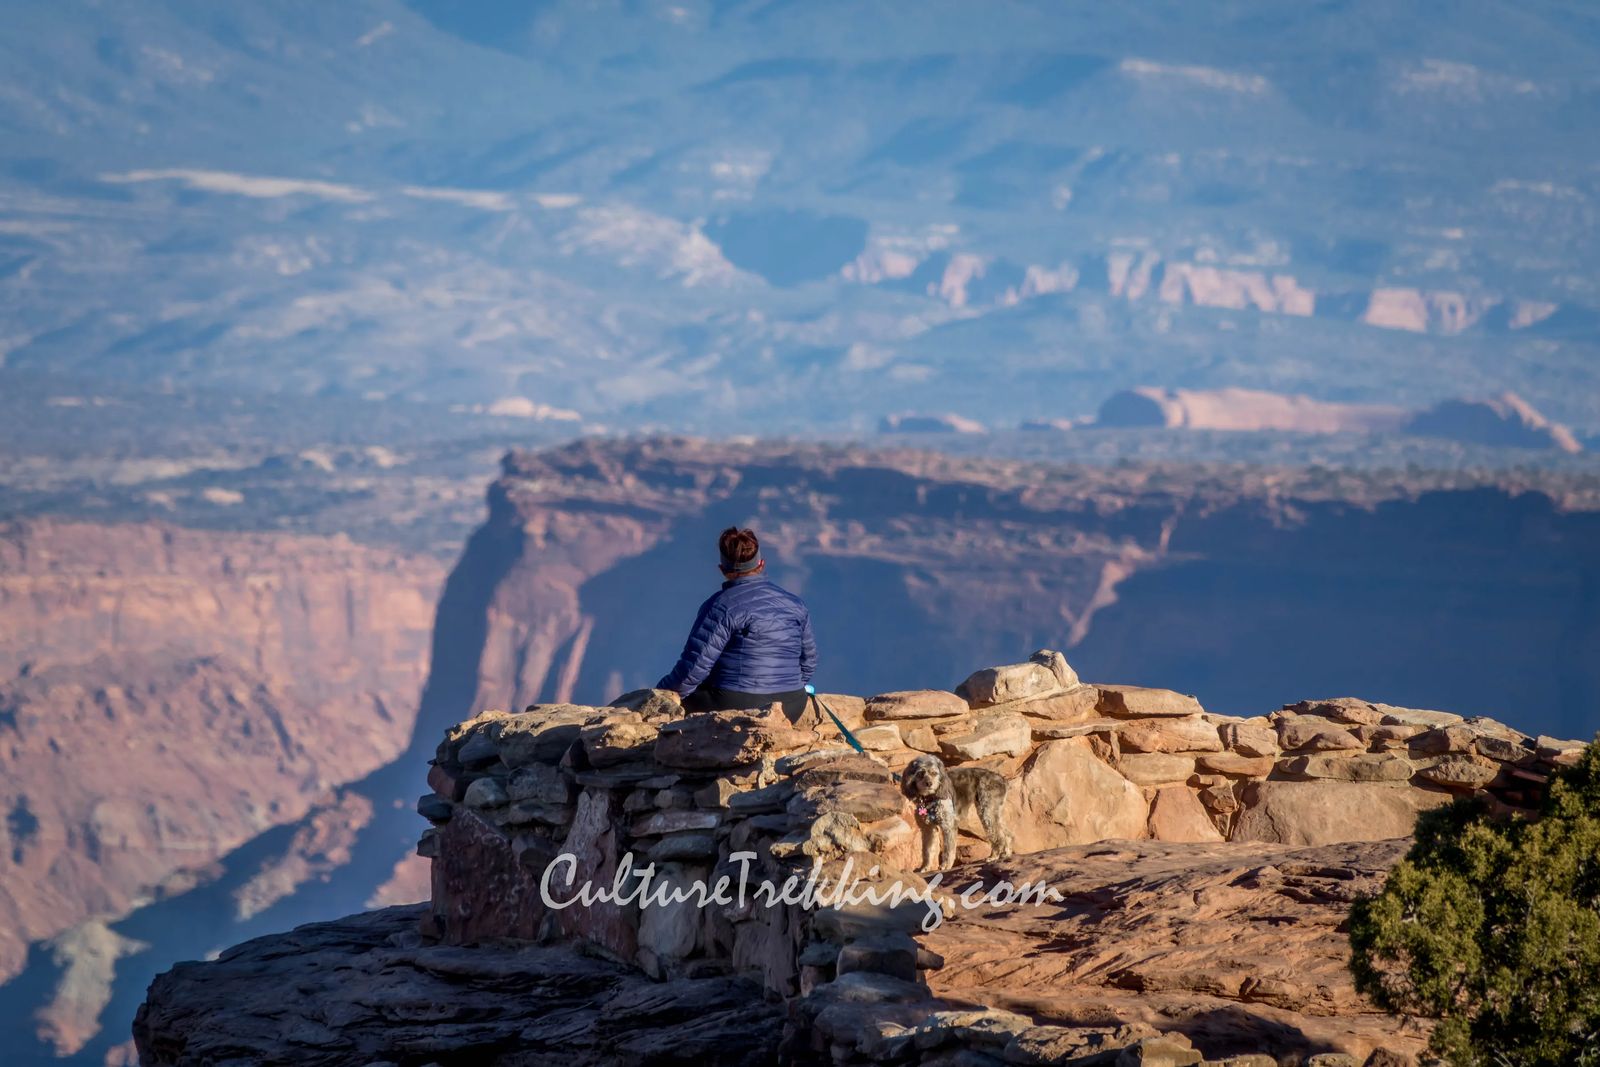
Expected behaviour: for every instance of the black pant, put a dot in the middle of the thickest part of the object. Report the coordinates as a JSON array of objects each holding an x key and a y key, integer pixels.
[{"x": 710, "y": 698}]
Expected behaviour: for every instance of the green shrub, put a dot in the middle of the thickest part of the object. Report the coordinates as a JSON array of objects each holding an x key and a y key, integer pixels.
[{"x": 1492, "y": 926}]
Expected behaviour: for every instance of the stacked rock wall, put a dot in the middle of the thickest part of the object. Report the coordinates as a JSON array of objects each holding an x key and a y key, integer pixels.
[{"x": 528, "y": 808}]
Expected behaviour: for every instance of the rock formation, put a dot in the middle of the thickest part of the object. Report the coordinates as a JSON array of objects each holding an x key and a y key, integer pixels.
[
  {"x": 1198, "y": 869},
  {"x": 1242, "y": 409},
  {"x": 1503, "y": 421},
  {"x": 911, "y": 422},
  {"x": 166, "y": 694}
]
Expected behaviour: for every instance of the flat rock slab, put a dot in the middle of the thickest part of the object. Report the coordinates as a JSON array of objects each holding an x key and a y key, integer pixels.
[
  {"x": 1241, "y": 946},
  {"x": 1138, "y": 702},
  {"x": 274, "y": 999},
  {"x": 915, "y": 704}
]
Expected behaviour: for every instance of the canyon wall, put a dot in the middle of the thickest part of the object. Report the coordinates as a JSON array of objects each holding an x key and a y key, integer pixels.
[
  {"x": 167, "y": 694},
  {"x": 1236, "y": 585}
]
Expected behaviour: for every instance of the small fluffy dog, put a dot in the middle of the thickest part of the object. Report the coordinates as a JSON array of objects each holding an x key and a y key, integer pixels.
[{"x": 940, "y": 792}]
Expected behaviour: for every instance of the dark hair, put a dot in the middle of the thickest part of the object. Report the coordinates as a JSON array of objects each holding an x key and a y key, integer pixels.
[{"x": 738, "y": 546}]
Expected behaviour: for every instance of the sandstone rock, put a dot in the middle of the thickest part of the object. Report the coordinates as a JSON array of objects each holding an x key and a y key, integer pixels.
[
  {"x": 915, "y": 704},
  {"x": 1003, "y": 734},
  {"x": 1347, "y": 710},
  {"x": 651, "y": 704},
  {"x": 895, "y": 841},
  {"x": 1332, "y": 1059},
  {"x": 686, "y": 846},
  {"x": 1177, "y": 815},
  {"x": 867, "y": 801},
  {"x": 1014, "y": 681},
  {"x": 724, "y": 739},
  {"x": 1393, "y": 735},
  {"x": 539, "y": 782},
  {"x": 1155, "y": 768},
  {"x": 847, "y": 767},
  {"x": 1314, "y": 734},
  {"x": 522, "y": 812},
  {"x": 1503, "y": 749},
  {"x": 1560, "y": 753},
  {"x": 1220, "y": 798},
  {"x": 1167, "y": 1050},
  {"x": 485, "y": 793},
  {"x": 920, "y": 738},
  {"x": 769, "y": 798},
  {"x": 1443, "y": 739},
  {"x": 1235, "y": 766},
  {"x": 1137, "y": 702},
  {"x": 1068, "y": 705},
  {"x": 1170, "y": 735},
  {"x": 356, "y": 991},
  {"x": 883, "y": 738},
  {"x": 893, "y": 954},
  {"x": 668, "y": 928},
  {"x": 1361, "y": 767},
  {"x": 1326, "y": 812},
  {"x": 1251, "y": 738},
  {"x": 1393, "y": 716},
  {"x": 1459, "y": 772},
  {"x": 608, "y": 744},
  {"x": 477, "y": 750},
  {"x": 434, "y": 808},
  {"x": 659, "y": 823},
  {"x": 539, "y": 735},
  {"x": 1065, "y": 796},
  {"x": 1066, "y": 677}
]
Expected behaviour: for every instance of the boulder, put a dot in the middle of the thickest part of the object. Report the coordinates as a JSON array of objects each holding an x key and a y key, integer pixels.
[
  {"x": 1176, "y": 814},
  {"x": 608, "y": 744},
  {"x": 539, "y": 782},
  {"x": 1503, "y": 749},
  {"x": 1393, "y": 716},
  {"x": 1234, "y": 766},
  {"x": 1014, "y": 681},
  {"x": 1560, "y": 753},
  {"x": 651, "y": 704},
  {"x": 668, "y": 928},
  {"x": 724, "y": 739},
  {"x": 1066, "y": 796},
  {"x": 893, "y": 953},
  {"x": 1347, "y": 710},
  {"x": 1442, "y": 740},
  {"x": 881, "y": 738},
  {"x": 1066, "y": 677},
  {"x": 866, "y": 801},
  {"x": 915, "y": 704},
  {"x": 1069, "y": 705},
  {"x": 1252, "y": 737},
  {"x": 1003, "y": 734},
  {"x": 1155, "y": 768},
  {"x": 1137, "y": 702},
  {"x": 1315, "y": 734},
  {"x": 1459, "y": 772},
  {"x": 540, "y": 735},
  {"x": 1360, "y": 767},
  {"x": 1189, "y": 734},
  {"x": 1329, "y": 812},
  {"x": 660, "y": 823},
  {"x": 485, "y": 793}
]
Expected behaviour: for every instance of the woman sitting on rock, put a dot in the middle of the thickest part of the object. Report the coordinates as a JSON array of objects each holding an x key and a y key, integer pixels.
[{"x": 751, "y": 645}]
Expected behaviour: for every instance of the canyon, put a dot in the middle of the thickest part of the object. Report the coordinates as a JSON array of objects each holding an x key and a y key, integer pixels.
[{"x": 1470, "y": 591}]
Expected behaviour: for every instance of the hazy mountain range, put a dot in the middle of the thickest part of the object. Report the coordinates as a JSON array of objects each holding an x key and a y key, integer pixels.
[{"x": 735, "y": 217}]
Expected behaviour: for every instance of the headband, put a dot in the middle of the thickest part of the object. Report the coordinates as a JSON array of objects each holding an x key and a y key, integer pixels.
[{"x": 740, "y": 568}]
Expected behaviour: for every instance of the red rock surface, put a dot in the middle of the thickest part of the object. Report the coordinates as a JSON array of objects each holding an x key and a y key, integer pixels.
[
  {"x": 166, "y": 694},
  {"x": 1239, "y": 946}
]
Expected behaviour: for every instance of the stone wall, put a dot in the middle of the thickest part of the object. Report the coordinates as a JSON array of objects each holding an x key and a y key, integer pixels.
[{"x": 640, "y": 783}]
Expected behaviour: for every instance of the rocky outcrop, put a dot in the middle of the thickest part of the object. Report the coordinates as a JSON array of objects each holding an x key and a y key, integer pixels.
[
  {"x": 1190, "y": 872},
  {"x": 1504, "y": 421},
  {"x": 166, "y": 694},
  {"x": 1242, "y": 410},
  {"x": 369, "y": 990},
  {"x": 914, "y": 422},
  {"x": 1206, "y": 861}
]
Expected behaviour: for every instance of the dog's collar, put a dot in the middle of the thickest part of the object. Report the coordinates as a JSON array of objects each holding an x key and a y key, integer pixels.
[{"x": 921, "y": 810}]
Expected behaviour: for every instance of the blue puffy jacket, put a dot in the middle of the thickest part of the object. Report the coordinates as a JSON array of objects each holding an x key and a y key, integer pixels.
[{"x": 751, "y": 636}]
